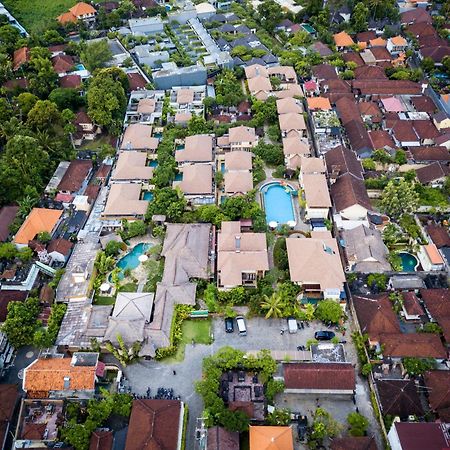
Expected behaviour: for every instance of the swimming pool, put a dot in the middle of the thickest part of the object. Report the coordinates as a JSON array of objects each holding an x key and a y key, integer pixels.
[
  {"x": 131, "y": 259},
  {"x": 278, "y": 203},
  {"x": 409, "y": 262},
  {"x": 148, "y": 195}
]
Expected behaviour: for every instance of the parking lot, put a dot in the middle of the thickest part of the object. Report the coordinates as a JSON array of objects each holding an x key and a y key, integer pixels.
[{"x": 261, "y": 334}]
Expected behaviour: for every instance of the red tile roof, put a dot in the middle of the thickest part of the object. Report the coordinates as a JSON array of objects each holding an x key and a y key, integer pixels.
[
  {"x": 319, "y": 376},
  {"x": 375, "y": 315},
  {"x": 438, "y": 389},
  {"x": 75, "y": 175},
  {"x": 414, "y": 345},
  {"x": 153, "y": 424}
]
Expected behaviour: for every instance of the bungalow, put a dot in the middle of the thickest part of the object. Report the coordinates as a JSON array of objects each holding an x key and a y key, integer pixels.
[
  {"x": 80, "y": 12},
  {"x": 61, "y": 377},
  {"x": 350, "y": 198},
  {"x": 319, "y": 378},
  {"x": 131, "y": 166},
  {"x": 315, "y": 194},
  {"x": 294, "y": 148},
  {"x": 138, "y": 136},
  {"x": 292, "y": 124},
  {"x": 38, "y": 221},
  {"x": 76, "y": 177},
  {"x": 397, "y": 44},
  {"x": 242, "y": 138},
  {"x": 197, "y": 149},
  {"x": 156, "y": 424},
  {"x": 197, "y": 183},
  {"x": 242, "y": 257},
  {"x": 430, "y": 258},
  {"x": 315, "y": 265},
  {"x": 124, "y": 202},
  {"x": 434, "y": 174},
  {"x": 365, "y": 250},
  {"x": 375, "y": 316},
  {"x": 343, "y": 41},
  {"x": 270, "y": 437}
]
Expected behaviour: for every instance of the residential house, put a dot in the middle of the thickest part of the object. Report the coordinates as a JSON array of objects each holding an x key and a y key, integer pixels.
[
  {"x": 155, "y": 423},
  {"x": 197, "y": 183},
  {"x": 238, "y": 178},
  {"x": 399, "y": 398},
  {"x": 9, "y": 396},
  {"x": 315, "y": 265},
  {"x": 39, "y": 220},
  {"x": 350, "y": 198},
  {"x": 315, "y": 192},
  {"x": 437, "y": 383},
  {"x": 242, "y": 257},
  {"x": 434, "y": 174},
  {"x": 80, "y": 12},
  {"x": 343, "y": 41},
  {"x": 269, "y": 437},
  {"x": 242, "y": 138},
  {"x": 319, "y": 378},
  {"x": 418, "y": 435},
  {"x": 197, "y": 149},
  {"x": 430, "y": 258},
  {"x": 292, "y": 124},
  {"x": 365, "y": 250},
  {"x": 61, "y": 377},
  {"x": 375, "y": 316},
  {"x": 138, "y": 136},
  {"x": 76, "y": 177},
  {"x": 7, "y": 217},
  {"x": 131, "y": 166},
  {"x": 294, "y": 149},
  {"x": 124, "y": 202},
  {"x": 397, "y": 44},
  {"x": 59, "y": 250},
  {"x": 220, "y": 438}
]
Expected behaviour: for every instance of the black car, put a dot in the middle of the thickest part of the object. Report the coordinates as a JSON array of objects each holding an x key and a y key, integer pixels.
[
  {"x": 229, "y": 325},
  {"x": 324, "y": 335}
]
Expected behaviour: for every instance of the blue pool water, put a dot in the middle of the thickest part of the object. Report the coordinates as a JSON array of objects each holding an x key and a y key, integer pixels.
[
  {"x": 148, "y": 196},
  {"x": 131, "y": 260},
  {"x": 152, "y": 163},
  {"x": 179, "y": 177},
  {"x": 409, "y": 262},
  {"x": 80, "y": 67},
  {"x": 278, "y": 203}
]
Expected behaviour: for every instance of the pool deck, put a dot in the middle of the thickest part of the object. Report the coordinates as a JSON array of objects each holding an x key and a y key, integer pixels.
[{"x": 301, "y": 225}]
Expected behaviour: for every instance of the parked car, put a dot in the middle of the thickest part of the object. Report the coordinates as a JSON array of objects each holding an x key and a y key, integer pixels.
[
  {"x": 229, "y": 325},
  {"x": 324, "y": 335}
]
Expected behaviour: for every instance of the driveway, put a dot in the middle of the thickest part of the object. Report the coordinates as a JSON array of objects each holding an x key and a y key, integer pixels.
[{"x": 261, "y": 334}]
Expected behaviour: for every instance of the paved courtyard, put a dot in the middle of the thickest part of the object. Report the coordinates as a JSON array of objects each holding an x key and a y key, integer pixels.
[{"x": 261, "y": 334}]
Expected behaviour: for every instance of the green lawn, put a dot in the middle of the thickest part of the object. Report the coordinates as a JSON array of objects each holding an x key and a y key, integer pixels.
[
  {"x": 198, "y": 330},
  {"x": 36, "y": 15}
]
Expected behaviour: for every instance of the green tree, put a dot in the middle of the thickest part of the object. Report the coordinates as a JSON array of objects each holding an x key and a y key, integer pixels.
[
  {"x": 358, "y": 424},
  {"x": 399, "y": 197},
  {"x": 359, "y": 17},
  {"x": 329, "y": 311},
  {"x": 274, "y": 305},
  {"x": 96, "y": 54},
  {"x": 23, "y": 163}
]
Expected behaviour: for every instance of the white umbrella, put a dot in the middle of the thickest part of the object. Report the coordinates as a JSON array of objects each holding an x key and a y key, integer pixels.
[
  {"x": 143, "y": 258},
  {"x": 105, "y": 287},
  {"x": 273, "y": 224},
  {"x": 292, "y": 223}
]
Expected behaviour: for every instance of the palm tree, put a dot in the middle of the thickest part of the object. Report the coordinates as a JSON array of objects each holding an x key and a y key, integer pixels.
[{"x": 273, "y": 304}]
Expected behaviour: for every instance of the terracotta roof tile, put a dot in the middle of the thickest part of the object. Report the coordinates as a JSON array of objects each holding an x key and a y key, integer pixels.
[{"x": 319, "y": 376}]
